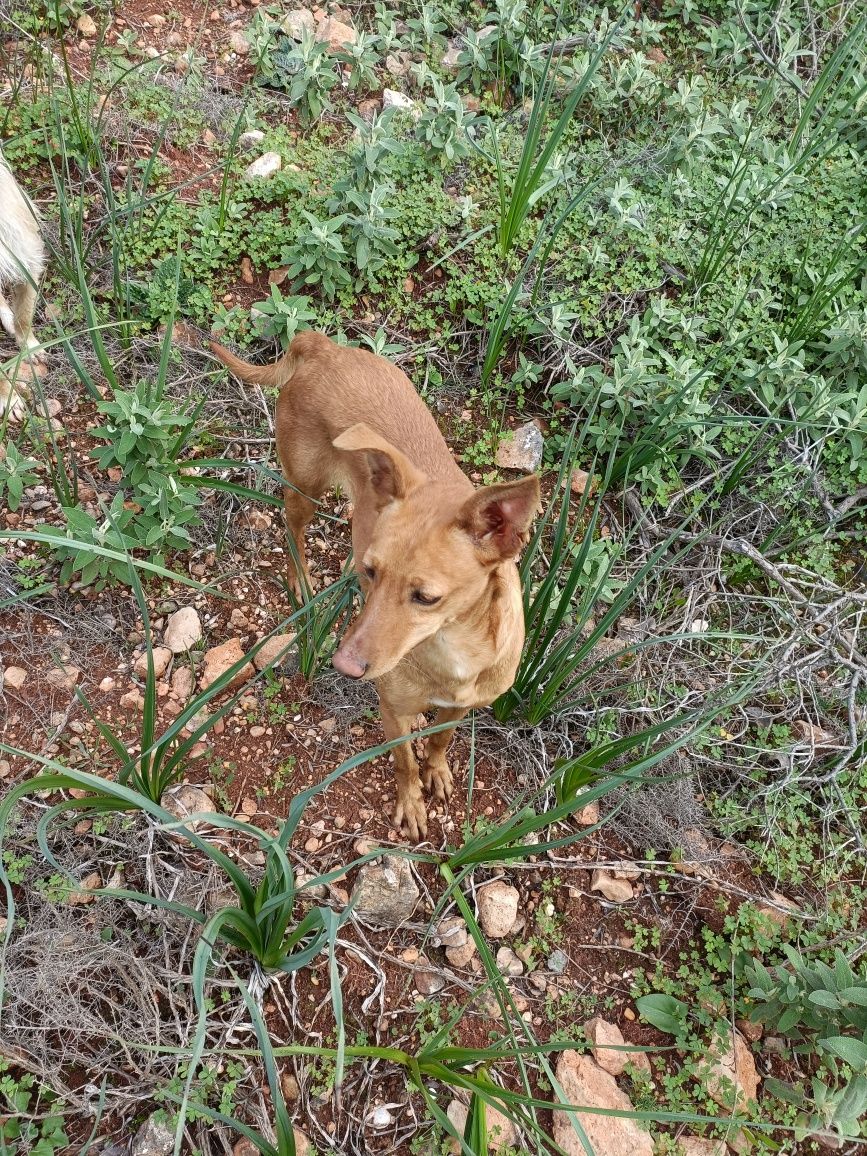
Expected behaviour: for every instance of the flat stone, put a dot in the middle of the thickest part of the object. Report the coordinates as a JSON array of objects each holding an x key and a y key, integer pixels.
[
  {"x": 14, "y": 677},
  {"x": 63, "y": 678},
  {"x": 218, "y": 661},
  {"x": 498, "y": 908},
  {"x": 729, "y": 1071},
  {"x": 605, "y": 1040},
  {"x": 154, "y": 1138},
  {"x": 274, "y": 651},
  {"x": 699, "y": 1146},
  {"x": 522, "y": 451},
  {"x": 336, "y": 34},
  {"x": 162, "y": 656},
  {"x": 250, "y": 138},
  {"x": 508, "y": 963},
  {"x": 428, "y": 981},
  {"x": 182, "y": 682},
  {"x": 502, "y": 1133},
  {"x": 461, "y": 956},
  {"x": 585, "y": 1083},
  {"x": 184, "y": 800},
  {"x": 264, "y": 166},
  {"x": 385, "y": 892},
  {"x": 295, "y": 21},
  {"x": 617, "y": 890},
  {"x": 183, "y": 630}
]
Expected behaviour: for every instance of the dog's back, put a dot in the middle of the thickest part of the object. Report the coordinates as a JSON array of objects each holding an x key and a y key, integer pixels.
[{"x": 22, "y": 255}]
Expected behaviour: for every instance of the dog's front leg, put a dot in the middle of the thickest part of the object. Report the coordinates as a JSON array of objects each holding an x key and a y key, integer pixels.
[
  {"x": 436, "y": 774},
  {"x": 410, "y": 814}
]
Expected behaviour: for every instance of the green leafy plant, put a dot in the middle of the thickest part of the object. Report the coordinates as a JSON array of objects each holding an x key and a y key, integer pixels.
[
  {"x": 443, "y": 124},
  {"x": 317, "y": 256},
  {"x": 281, "y": 317},
  {"x": 144, "y": 432},
  {"x": 16, "y": 473}
]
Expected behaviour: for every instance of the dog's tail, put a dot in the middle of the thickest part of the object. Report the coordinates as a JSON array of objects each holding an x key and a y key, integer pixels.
[{"x": 277, "y": 374}]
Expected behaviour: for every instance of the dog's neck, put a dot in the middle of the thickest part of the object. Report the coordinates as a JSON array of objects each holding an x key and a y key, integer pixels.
[{"x": 471, "y": 651}]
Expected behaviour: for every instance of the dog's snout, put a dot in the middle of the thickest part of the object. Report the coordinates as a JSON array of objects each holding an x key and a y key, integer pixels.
[{"x": 348, "y": 664}]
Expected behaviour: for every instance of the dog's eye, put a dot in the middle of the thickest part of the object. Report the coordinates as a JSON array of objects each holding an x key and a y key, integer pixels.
[
  {"x": 425, "y": 599},
  {"x": 369, "y": 573}
]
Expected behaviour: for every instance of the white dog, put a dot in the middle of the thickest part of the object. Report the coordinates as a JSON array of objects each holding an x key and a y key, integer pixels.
[{"x": 22, "y": 260}]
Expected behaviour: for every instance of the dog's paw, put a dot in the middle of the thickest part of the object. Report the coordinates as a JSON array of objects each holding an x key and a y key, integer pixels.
[
  {"x": 410, "y": 815},
  {"x": 12, "y": 404},
  {"x": 438, "y": 781}
]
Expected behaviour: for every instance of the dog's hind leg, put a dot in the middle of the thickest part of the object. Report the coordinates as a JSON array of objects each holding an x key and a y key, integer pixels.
[
  {"x": 7, "y": 318},
  {"x": 23, "y": 306}
]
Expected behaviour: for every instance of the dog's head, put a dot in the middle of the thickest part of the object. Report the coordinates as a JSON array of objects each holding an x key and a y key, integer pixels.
[{"x": 431, "y": 555}]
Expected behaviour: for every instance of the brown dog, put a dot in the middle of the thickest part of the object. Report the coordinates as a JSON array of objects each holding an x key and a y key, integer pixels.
[{"x": 442, "y": 624}]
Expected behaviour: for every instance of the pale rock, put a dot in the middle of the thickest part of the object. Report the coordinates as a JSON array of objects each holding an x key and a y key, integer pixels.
[
  {"x": 461, "y": 956},
  {"x": 450, "y": 932},
  {"x": 508, "y": 963},
  {"x": 182, "y": 682},
  {"x": 132, "y": 700},
  {"x": 275, "y": 651},
  {"x": 450, "y": 58},
  {"x": 154, "y": 1138},
  {"x": 502, "y": 1133},
  {"x": 289, "y": 1087},
  {"x": 183, "y": 630},
  {"x": 86, "y": 25},
  {"x": 588, "y": 816},
  {"x": 381, "y": 1118},
  {"x": 698, "y": 1146},
  {"x": 14, "y": 677},
  {"x": 617, "y": 890},
  {"x": 427, "y": 980},
  {"x": 250, "y": 138},
  {"x": 397, "y": 65},
  {"x": 336, "y": 34},
  {"x": 729, "y": 1071},
  {"x": 185, "y": 800},
  {"x": 264, "y": 166},
  {"x": 584, "y": 1082},
  {"x": 385, "y": 892},
  {"x": 772, "y": 910},
  {"x": 162, "y": 656},
  {"x": 394, "y": 99},
  {"x": 558, "y": 961},
  {"x": 605, "y": 1041},
  {"x": 107, "y": 684},
  {"x": 498, "y": 908},
  {"x": 523, "y": 451},
  {"x": 294, "y": 23},
  {"x": 238, "y": 43},
  {"x": 219, "y": 659},
  {"x": 580, "y": 481},
  {"x": 63, "y": 678},
  {"x": 83, "y": 894}
]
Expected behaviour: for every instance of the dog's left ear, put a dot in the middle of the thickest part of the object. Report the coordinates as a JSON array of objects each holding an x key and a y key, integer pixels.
[
  {"x": 499, "y": 517},
  {"x": 392, "y": 475}
]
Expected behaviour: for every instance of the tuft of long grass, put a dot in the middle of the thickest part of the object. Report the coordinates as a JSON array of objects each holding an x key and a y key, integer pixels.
[{"x": 520, "y": 192}]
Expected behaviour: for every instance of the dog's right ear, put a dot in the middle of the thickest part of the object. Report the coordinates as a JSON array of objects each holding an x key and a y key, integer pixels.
[{"x": 392, "y": 475}]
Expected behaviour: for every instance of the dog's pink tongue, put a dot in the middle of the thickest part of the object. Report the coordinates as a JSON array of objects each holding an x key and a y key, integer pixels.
[{"x": 348, "y": 665}]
